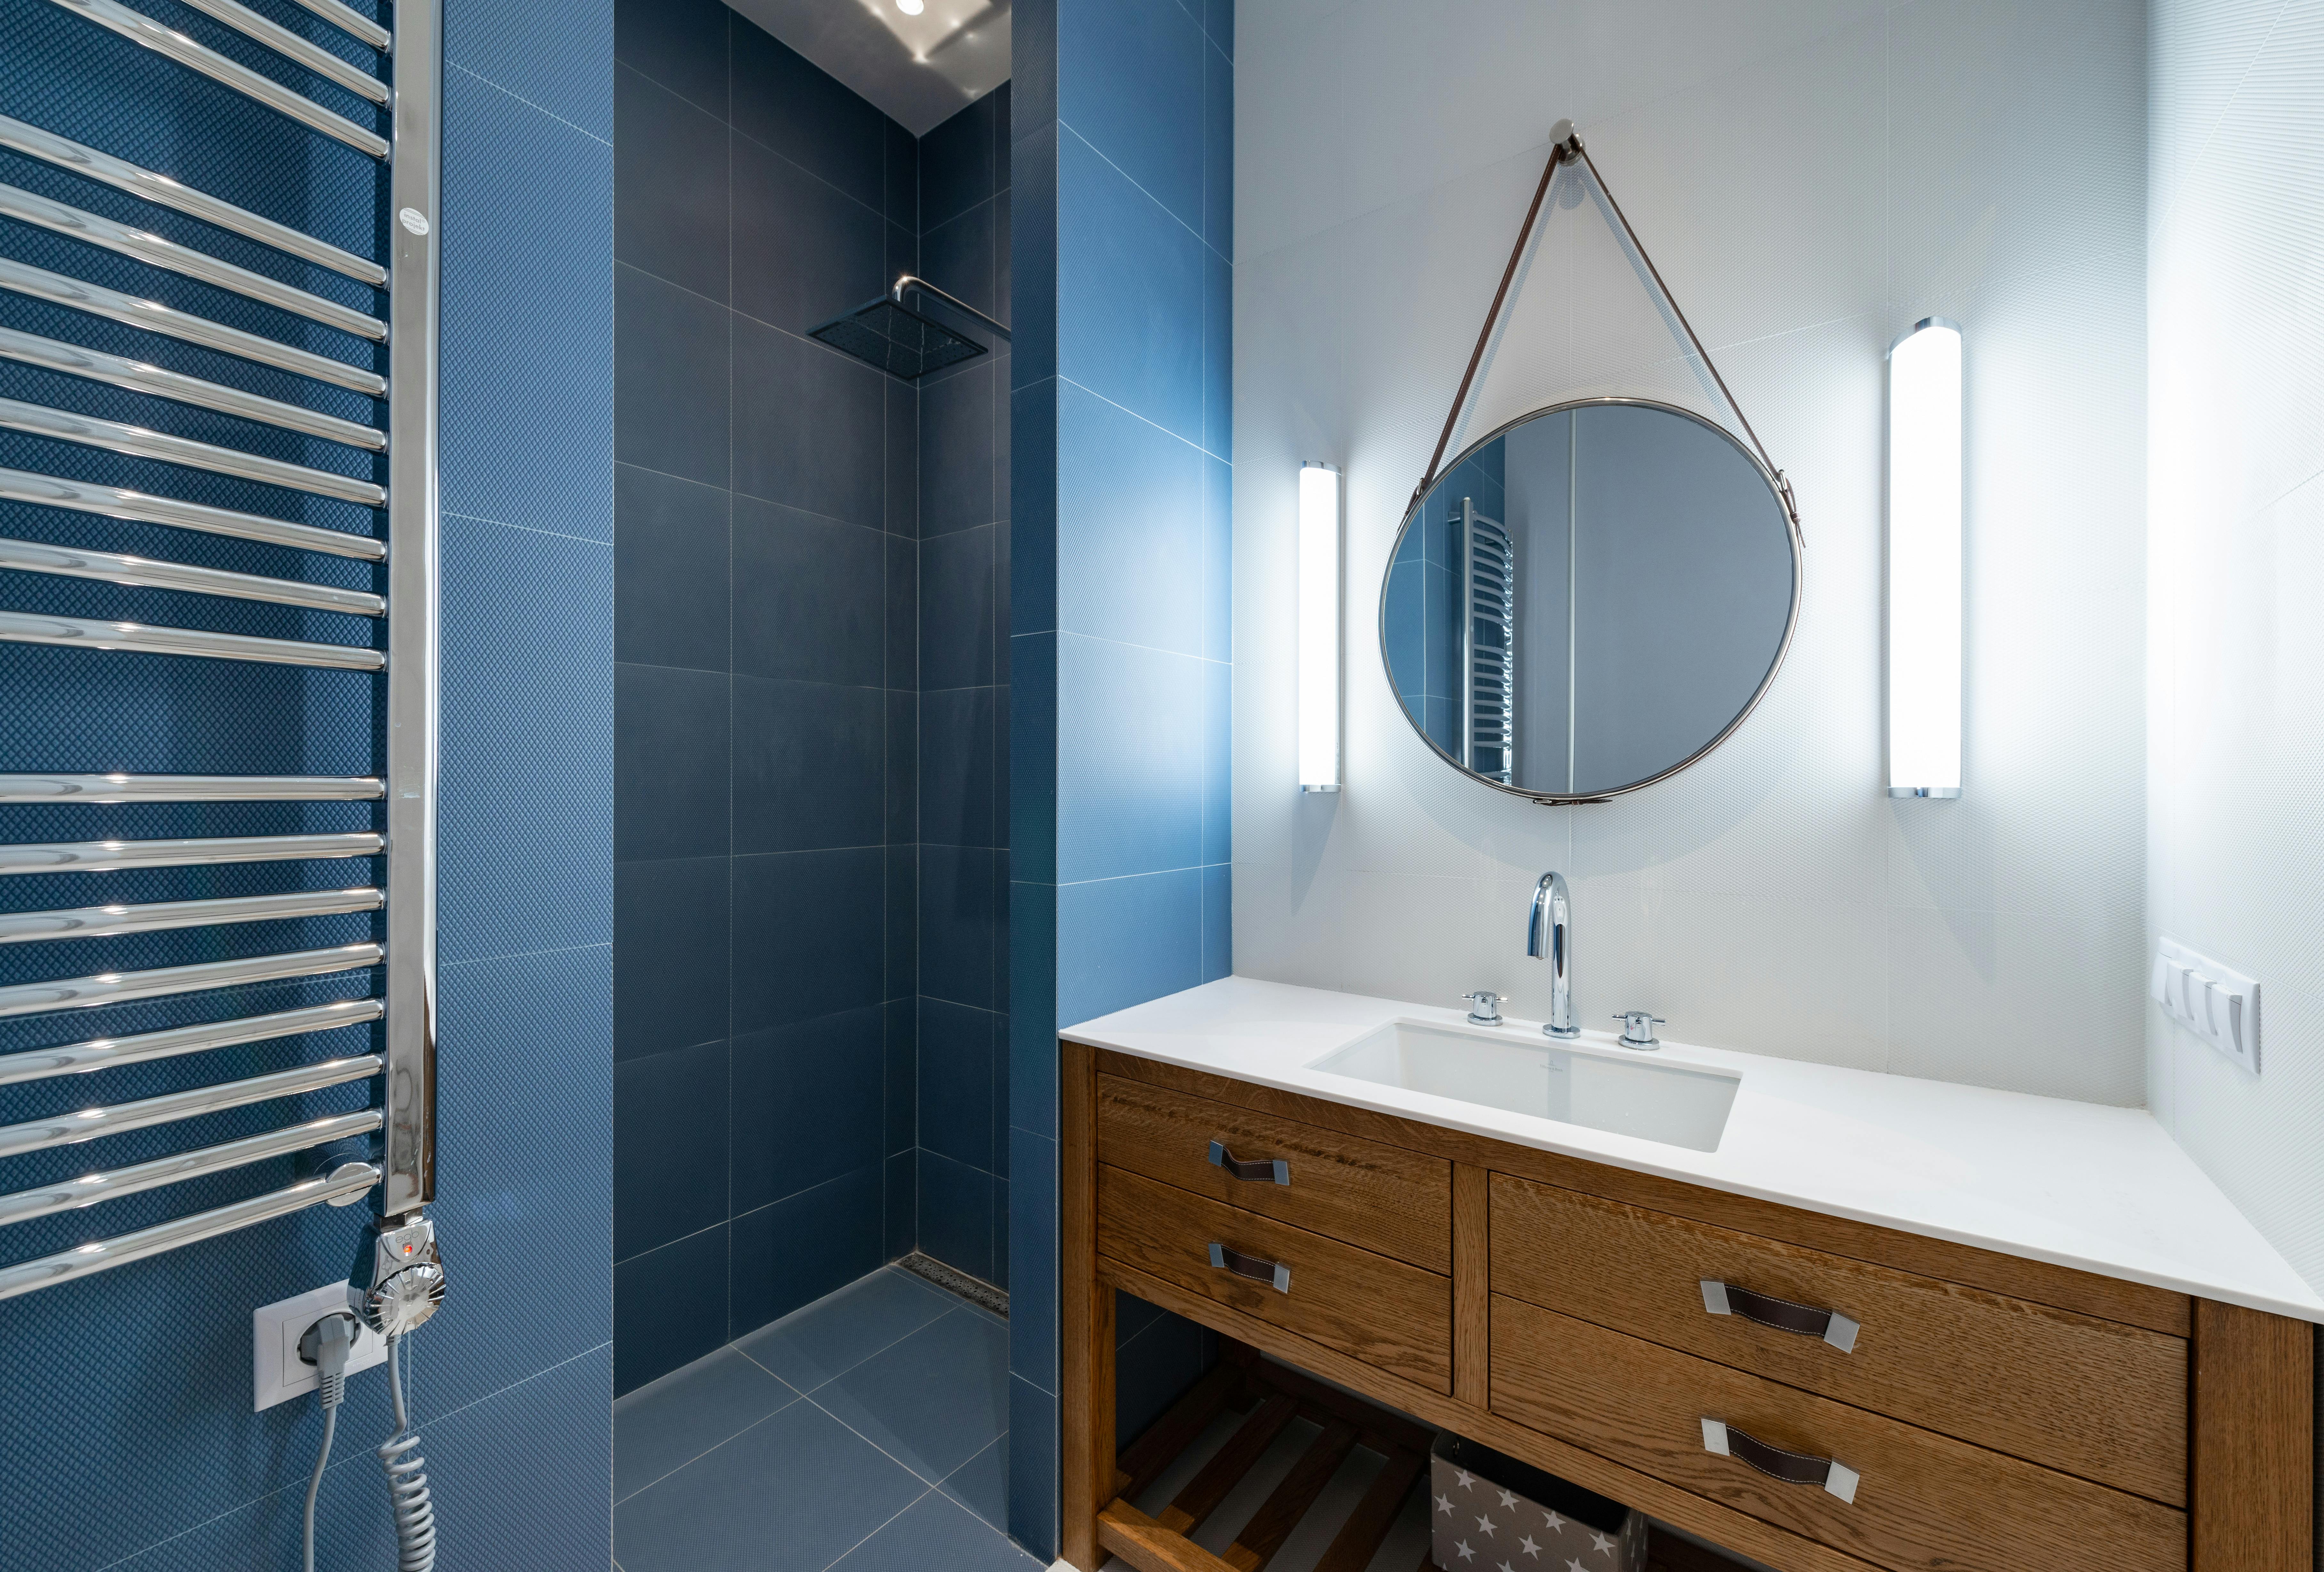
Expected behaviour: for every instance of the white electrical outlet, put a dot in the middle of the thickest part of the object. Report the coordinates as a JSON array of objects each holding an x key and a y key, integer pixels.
[
  {"x": 2216, "y": 1003},
  {"x": 278, "y": 1373}
]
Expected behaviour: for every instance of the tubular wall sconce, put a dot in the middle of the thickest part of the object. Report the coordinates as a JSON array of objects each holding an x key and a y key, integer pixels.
[
  {"x": 1924, "y": 561},
  {"x": 1319, "y": 627}
]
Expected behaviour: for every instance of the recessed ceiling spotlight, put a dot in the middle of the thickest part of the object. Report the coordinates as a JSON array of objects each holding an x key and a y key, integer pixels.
[{"x": 911, "y": 7}]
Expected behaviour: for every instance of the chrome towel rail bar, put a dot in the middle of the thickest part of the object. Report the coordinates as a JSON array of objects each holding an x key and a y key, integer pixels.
[
  {"x": 103, "y": 856},
  {"x": 38, "y": 283},
  {"x": 105, "y": 922},
  {"x": 88, "y": 1124},
  {"x": 31, "y": 628},
  {"x": 144, "y": 572},
  {"x": 140, "y": 29},
  {"x": 139, "y": 507},
  {"x": 354, "y": 23},
  {"x": 96, "y": 366},
  {"x": 120, "y": 173},
  {"x": 99, "y": 1255},
  {"x": 88, "y": 1189},
  {"x": 121, "y": 987},
  {"x": 139, "y": 442},
  {"x": 71, "y": 1058},
  {"x": 190, "y": 788},
  {"x": 292, "y": 47}
]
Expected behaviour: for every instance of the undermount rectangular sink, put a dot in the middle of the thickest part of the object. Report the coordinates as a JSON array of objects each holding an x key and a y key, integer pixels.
[{"x": 1613, "y": 1090}]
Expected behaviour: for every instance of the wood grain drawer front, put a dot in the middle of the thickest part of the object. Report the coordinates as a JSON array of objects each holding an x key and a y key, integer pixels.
[
  {"x": 1385, "y": 1198},
  {"x": 1383, "y": 1312},
  {"x": 1923, "y": 1502},
  {"x": 2094, "y": 1398}
]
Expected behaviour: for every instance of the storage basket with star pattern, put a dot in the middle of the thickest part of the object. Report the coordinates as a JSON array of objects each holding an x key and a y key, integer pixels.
[{"x": 1489, "y": 1512}]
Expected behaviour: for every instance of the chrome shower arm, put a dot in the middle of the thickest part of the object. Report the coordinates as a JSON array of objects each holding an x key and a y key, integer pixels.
[{"x": 908, "y": 282}]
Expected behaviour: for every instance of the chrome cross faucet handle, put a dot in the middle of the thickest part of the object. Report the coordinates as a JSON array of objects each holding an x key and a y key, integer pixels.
[
  {"x": 1639, "y": 1029},
  {"x": 1484, "y": 1007},
  {"x": 1549, "y": 937}
]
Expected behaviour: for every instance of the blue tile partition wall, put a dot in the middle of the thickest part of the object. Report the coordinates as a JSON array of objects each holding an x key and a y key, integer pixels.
[
  {"x": 1122, "y": 161},
  {"x": 766, "y": 697},
  {"x": 126, "y": 1438}
]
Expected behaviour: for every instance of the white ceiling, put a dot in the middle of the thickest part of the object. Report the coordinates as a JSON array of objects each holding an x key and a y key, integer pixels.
[{"x": 919, "y": 71}]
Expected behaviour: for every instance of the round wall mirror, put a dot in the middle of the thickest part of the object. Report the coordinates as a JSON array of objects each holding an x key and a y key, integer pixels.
[{"x": 1590, "y": 599}]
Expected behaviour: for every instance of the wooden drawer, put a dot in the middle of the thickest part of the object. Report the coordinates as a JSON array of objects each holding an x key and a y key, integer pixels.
[
  {"x": 1384, "y": 1198},
  {"x": 1383, "y": 1312},
  {"x": 1924, "y": 1503},
  {"x": 2094, "y": 1398}
]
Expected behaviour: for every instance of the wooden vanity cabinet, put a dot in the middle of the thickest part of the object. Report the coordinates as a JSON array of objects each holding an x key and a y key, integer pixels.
[{"x": 1997, "y": 1414}]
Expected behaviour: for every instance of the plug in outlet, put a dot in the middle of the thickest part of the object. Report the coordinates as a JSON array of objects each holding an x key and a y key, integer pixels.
[{"x": 278, "y": 1373}]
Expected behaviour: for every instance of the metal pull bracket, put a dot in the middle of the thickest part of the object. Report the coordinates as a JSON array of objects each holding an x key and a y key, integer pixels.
[
  {"x": 1828, "y": 1474},
  {"x": 1262, "y": 1168},
  {"x": 1274, "y": 1273},
  {"x": 1724, "y": 1298}
]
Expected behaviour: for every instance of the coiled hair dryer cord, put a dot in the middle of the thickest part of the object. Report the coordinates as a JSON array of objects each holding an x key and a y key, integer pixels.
[{"x": 407, "y": 1479}]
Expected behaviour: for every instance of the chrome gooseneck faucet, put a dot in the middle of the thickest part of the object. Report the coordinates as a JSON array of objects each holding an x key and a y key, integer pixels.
[{"x": 1549, "y": 935}]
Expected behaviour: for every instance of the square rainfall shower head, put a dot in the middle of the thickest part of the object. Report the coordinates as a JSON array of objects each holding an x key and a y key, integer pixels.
[{"x": 897, "y": 340}]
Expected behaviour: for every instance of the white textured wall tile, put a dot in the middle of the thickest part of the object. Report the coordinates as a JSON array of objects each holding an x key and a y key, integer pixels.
[{"x": 1385, "y": 153}]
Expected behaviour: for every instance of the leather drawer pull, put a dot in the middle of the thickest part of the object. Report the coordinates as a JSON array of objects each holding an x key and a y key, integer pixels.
[
  {"x": 1257, "y": 1167},
  {"x": 1721, "y": 1299},
  {"x": 1834, "y": 1478},
  {"x": 1272, "y": 1272}
]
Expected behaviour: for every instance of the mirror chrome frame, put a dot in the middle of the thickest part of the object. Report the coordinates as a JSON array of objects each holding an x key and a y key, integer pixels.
[{"x": 1776, "y": 492}]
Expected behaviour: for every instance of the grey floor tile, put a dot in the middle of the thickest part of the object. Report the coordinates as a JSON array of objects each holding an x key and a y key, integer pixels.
[
  {"x": 669, "y": 1422},
  {"x": 933, "y": 1400},
  {"x": 831, "y": 1337},
  {"x": 936, "y": 1535},
  {"x": 981, "y": 1484},
  {"x": 792, "y": 1493}
]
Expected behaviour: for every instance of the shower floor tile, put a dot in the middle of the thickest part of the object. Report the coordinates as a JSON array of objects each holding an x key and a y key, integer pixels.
[{"x": 891, "y": 1462}]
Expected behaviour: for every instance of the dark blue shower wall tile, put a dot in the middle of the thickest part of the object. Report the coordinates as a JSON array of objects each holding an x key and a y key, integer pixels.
[
  {"x": 1032, "y": 508},
  {"x": 1218, "y": 745},
  {"x": 561, "y": 70},
  {"x": 1032, "y": 767},
  {"x": 1123, "y": 942},
  {"x": 679, "y": 43},
  {"x": 1130, "y": 79},
  {"x": 1128, "y": 293},
  {"x": 960, "y": 905},
  {"x": 1032, "y": 1461},
  {"x": 1132, "y": 568},
  {"x": 808, "y": 762},
  {"x": 782, "y": 101},
  {"x": 957, "y": 452},
  {"x": 997, "y": 1061},
  {"x": 958, "y": 165},
  {"x": 807, "y": 1105},
  {"x": 804, "y": 251},
  {"x": 487, "y": 1473},
  {"x": 806, "y": 935},
  {"x": 671, "y": 408},
  {"x": 671, "y": 570},
  {"x": 671, "y": 948},
  {"x": 1003, "y": 117},
  {"x": 810, "y": 596},
  {"x": 670, "y": 1150},
  {"x": 525, "y": 816},
  {"x": 808, "y": 430},
  {"x": 1218, "y": 922},
  {"x": 1219, "y": 23},
  {"x": 1218, "y": 355},
  {"x": 1033, "y": 255},
  {"x": 955, "y": 1082},
  {"x": 901, "y": 966},
  {"x": 902, "y": 786},
  {"x": 902, "y": 657},
  {"x": 669, "y": 180},
  {"x": 902, "y": 516},
  {"x": 900, "y": 186},
  {"x": 524, "y": 1152},
  {"x": 958, "y": 735},
  {"x": 955, "y": 1221},
  {"x": 802, "y": 1248},
  {"x": 1218, "y": 145},
  {"x": 903, "y": 1203},
  {"x": 900, "y": 1075},
  {"x": 1033, "y": 69},
  {"x": 903, "y": 253},
  {"x": 959, "y": 621},
  {"x": 670, "y": 1307},
  {"x": 671, "y": 762},
  {"x": 960, "y": 256},
  {"x": 1129, "y": 785},
  {"x": 528, "y": 418}
]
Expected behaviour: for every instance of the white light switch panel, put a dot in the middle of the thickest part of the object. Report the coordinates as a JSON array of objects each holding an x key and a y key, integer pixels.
[
  {"x": 2216, "y": 1003},
  {"x": 278, "y": 1373}
]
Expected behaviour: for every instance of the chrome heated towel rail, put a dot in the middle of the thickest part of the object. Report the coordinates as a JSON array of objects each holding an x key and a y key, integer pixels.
[{"x": 387, "y": 75}]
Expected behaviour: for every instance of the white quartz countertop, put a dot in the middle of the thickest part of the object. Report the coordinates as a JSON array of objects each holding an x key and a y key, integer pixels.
[{"x": 2076, "y": 1184}]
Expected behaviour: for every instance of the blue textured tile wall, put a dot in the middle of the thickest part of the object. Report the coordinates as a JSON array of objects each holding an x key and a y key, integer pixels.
[
  {"x": 766, "y": 704},
  {"x": 141, "y": 1375},
  {"x": 1122, "y": 155}
]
